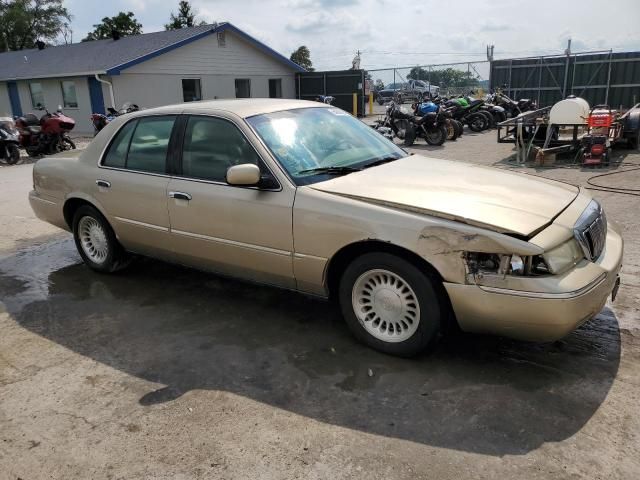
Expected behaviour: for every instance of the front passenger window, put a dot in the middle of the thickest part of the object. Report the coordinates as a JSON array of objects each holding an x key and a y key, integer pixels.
[{"x": 211, "y": 146}]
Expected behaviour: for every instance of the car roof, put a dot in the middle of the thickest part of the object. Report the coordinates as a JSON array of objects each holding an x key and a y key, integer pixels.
[{"x": 244, "y": 107}]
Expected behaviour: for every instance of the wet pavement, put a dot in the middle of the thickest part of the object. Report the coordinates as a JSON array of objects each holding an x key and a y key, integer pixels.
[{"x": 161, "y": 371}]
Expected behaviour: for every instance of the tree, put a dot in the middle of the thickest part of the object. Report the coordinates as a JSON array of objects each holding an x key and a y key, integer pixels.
[
  {"x": 302, "y": 57},
  {"x": 22, "y": 22},
  {"x": 379, "y": 84},
  {"x": 124, "y": 23},
  {"x": 185, "y": 18},
  {"x": 448, "y": 77}
]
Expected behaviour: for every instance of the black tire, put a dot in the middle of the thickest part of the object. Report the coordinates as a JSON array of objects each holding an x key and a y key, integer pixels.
[
  {"x": 452, "y": 132},
  {"x": 436, "y": 136},
  {"x": 477, "y": 122},
  {"x": 409, "y": 135},
  {"x": 459, "y": 127},
  {"x": 380, "y": 100},
  {"x": 491, "y": 122},
  {"x": 13, "y": 154},
  {"x": 116, "y": 258},
  {"x": 425, "y": 296}
]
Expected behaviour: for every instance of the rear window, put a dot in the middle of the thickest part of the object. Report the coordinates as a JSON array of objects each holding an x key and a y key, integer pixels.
[{"x": 142, "y": 145}]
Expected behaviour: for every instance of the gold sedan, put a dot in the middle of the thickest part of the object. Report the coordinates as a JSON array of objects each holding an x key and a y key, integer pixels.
[{"x": 303, "y": 196}]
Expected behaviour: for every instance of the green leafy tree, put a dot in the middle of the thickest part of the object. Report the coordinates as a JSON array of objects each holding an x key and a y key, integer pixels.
[
  {"x": 22, "y": 22},
  {"x": 447, "y": 77},
  {"x": 379, "y": 84},
  {"x": 124, "y": 23},
  {"x": 185, "y": 18},
  {"x": 302, "y": 57}
]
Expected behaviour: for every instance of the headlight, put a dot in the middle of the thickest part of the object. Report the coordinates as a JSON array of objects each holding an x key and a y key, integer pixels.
[
  {"x": 503, "y": 264},
  {"x": 564, "y": 256}
]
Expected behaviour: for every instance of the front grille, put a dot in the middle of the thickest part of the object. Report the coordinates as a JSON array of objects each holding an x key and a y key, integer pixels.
[{"x": 591, "y": 230}]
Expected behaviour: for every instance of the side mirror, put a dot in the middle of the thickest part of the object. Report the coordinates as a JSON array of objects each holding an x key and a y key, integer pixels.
[{"x": 245, "y": 174}]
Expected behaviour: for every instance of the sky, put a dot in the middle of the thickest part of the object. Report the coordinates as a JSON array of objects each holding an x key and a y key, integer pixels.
[{"x": 399, "y": 33}]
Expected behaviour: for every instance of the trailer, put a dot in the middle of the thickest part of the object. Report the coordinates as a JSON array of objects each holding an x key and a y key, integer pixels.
[{"x": 570, "y": 126}]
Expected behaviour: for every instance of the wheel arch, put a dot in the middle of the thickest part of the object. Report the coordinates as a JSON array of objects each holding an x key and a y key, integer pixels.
[
  {"x": 72, "y": 204},
  {"x": 343, "y": 257}
]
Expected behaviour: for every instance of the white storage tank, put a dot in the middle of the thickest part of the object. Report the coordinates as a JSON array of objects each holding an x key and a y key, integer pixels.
[{"x": 570, "y": 111}]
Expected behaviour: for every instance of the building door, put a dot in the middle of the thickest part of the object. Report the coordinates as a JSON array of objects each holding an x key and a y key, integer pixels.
[
  {"x": 95, "y": 95},
  {"x": 14, "y": 98}
]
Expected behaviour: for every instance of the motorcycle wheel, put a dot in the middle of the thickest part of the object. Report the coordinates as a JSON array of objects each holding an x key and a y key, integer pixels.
[
  {"x": 436, "y": 136},
  {"x": 14, "y": 154},
  {"x": 452, "y": 132},
  {"x": 500, "y": 116},
  {"x": 477, "y": 122},
  {"x": 409, "y": 136},
  {"x": 458, "y": 126},
  {"x": 491, "y": 122},
  {"x": 67, "y": 144}
]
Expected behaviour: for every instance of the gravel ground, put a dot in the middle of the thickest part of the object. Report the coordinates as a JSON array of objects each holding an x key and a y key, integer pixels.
[{"x": 163, "y": 372}]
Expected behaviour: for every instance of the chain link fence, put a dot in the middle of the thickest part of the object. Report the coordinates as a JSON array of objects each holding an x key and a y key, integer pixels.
[{"x": 447, "y": 79}]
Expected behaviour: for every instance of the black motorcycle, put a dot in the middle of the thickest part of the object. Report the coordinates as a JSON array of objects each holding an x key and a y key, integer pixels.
[
  {"x": 9, "y": 141},
  {"x": 407, "y": 127}
]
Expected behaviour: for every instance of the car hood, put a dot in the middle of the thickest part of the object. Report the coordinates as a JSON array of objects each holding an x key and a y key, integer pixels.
[{"x": 492, "y": 198}]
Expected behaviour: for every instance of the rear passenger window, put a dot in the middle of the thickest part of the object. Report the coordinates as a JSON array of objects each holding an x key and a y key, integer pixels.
[
  {"x": 211, "y": 146},
  {"x": 117, "y": 154},
  {"x": 149, "y": 144}
]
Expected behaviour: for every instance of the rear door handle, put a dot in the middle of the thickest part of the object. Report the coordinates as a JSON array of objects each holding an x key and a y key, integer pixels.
[
  {"x": 103, "y": 183},
  {"x": 180, "y": 196}
]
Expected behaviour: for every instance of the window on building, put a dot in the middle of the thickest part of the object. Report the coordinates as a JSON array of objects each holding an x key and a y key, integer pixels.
[
  {"x": 275, "y": 88},
  {"x": 69, "y": 98},
  {"x": 191, "y": 91},
  {"x": 37, "y": 95},
  {"x": 243, "y": 88},
  {"x": 211, "y": 146},
  {"x": 222, "y": 39}
]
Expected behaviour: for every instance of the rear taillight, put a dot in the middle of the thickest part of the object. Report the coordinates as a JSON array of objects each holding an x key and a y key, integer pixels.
[{"x": 597, "y": 149}]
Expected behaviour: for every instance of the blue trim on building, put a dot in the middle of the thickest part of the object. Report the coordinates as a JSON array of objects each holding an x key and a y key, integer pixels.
[
  {"x": 95, "y": 95},
  {"x": 14, "y": 98},
  {"x": 221, "y": 28}
]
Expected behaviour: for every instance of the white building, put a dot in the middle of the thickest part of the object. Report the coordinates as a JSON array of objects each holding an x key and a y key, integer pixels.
[{"x": 153, "y": 69}]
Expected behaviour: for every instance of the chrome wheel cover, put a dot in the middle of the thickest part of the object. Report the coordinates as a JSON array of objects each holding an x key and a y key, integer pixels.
[
  {"x": 385, "y": 305},
  {"x": 93, "y": 239}
]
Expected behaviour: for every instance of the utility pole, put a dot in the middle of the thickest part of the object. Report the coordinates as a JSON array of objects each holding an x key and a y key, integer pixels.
[
  {"x": 567, "y": 52},
  {"x": 490, "y": 52}
]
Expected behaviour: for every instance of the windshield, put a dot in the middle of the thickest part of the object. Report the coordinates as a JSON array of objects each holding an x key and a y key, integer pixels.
[{"x": 308, "y": 139}]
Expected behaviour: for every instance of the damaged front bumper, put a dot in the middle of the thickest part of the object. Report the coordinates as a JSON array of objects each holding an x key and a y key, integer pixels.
[{"x": 551, "y": 308}]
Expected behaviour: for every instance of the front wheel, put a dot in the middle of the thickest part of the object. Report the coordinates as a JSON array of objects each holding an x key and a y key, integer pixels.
[
  {"x": 452, "y": 132},
  {"x": 96, "y": 242},
  {"x": 436, "y": 136},
  {"x": 13, "y": 154},
  {"x": 390, "y": 305}
]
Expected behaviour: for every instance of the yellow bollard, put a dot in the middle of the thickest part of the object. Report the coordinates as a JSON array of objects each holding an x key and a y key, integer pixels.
[
  {"x": 370, "y": 103},
  {"x": 355, "y": 104}
]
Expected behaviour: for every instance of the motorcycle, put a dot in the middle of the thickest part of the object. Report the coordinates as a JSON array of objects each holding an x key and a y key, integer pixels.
[
  {"x": 100, "y": 120},
  {"x": 469, "y": 113},
  {"x": 433, "y": 123},
  {"x": 45, "y": 136},
  {"x": 408, "y": 126},
  {"x": 512, "y": 108},
  {"x": 9, "y": 141}
]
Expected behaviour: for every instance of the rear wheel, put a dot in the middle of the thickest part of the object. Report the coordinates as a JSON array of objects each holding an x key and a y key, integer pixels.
[
  {"x": 459, "y": 127},
  {"x": 13, "y": 154},
  {"x": 390, "y": 305},
  {"x": 477, "y": 122},
  {"x": 491, "y": 122},
  {"x": 96, "y": 242},
  {"x": 436, "y": 135},
  {"x": 67, "y": 144}
]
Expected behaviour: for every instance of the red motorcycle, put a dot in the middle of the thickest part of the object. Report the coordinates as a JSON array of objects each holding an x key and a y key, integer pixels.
[{"x": 45, "y": 136}]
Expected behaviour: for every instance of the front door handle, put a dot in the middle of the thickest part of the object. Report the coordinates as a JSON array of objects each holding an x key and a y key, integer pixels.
[
  {"x": 103, "y": 183},
  {"x": 180, "y": 196}
]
